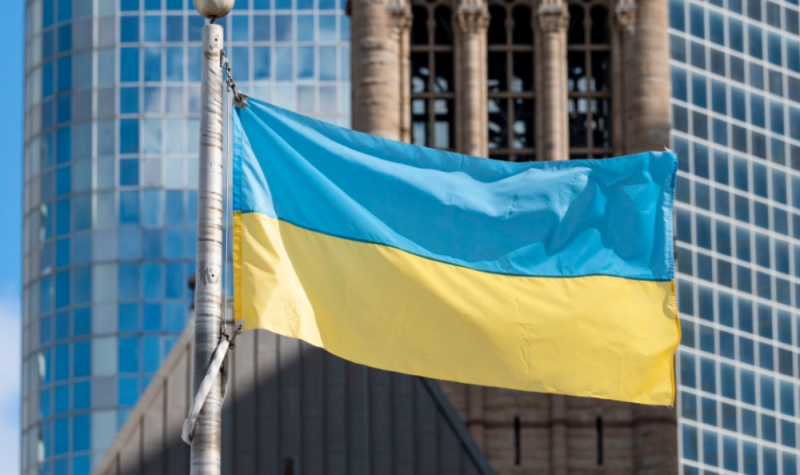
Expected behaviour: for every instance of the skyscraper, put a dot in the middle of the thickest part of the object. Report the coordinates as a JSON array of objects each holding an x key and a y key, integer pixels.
[
  {"x": 735, "y": 69},
  {"x": 111, "y": 141}
]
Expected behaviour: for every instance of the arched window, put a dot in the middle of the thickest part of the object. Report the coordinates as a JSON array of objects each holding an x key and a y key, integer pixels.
[
  {"x": 589, "y": 79},
  {"x": 432, "y": 79},
  {"x": 510, "y": 82}
]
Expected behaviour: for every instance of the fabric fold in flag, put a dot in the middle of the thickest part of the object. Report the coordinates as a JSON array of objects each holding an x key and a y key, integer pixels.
[{"x": 553, "y": 277}]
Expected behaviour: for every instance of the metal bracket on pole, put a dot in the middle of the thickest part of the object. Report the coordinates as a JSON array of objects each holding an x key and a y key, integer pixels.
[{"x": 205, "y": 388}]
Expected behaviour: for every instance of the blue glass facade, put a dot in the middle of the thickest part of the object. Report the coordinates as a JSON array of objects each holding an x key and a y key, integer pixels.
[
  {"x": 736, "y": 128},
  {"x": 112, "y": 107}
]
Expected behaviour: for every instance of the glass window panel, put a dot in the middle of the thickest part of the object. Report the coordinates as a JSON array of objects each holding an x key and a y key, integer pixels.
[
  {"x": 83, "y": 316},
  {"x": 62, "y": 325},
  {"x": 788, "y": 435},
  {"x": 283, "y": 28},
  {"x": 767, "y": 386},
  {"x": 697, "y": 20},
  {"x": 730, "y": 448},
  {"x": 128, "y": 282},
  {"x": 61, "y": 399},
  {"x": 789, "y": 462},
  {"x": 707, "y": 339},
  {"x": 703, "y": 231},
  {"x": 305, "y": 62},
  {"x": 64, "y": 78},
  {"x": 746, "y": 350},
  {"x": 284, "y": 64},
  {"x": 240, "y": 30},
  {"x": 151, "y": 320},
  {"x": 128, "y": 391},
  {"x": 129, "y": 207},
  {"x": 128, "y": 355},
  {"x": 152, "y": 281},
  {"x": 129, "y": 64},
  {"x": 175, "y": 64},
  {"x": 742, "y": 208},
  {"x": 152, "y": 64},
  {"x": 688, "y": 405},
  {"x": 728, "y": 381},
  {"x": 710, "y": 444},
  {"x": 685, "y": 298},
  {"x": 690, "y": 443},
  {"x": 175, "y": 28},
  {"x": 151, "y": 354},
  {"x": 128, "y": 315},
  {"x": 262, "y": 63},
  {"x": 677, "y": 16},
  {"x": 240, "y": 60},
  {"x": 62, "y": 362},
  {"x": 61, "y": 436},
  {"x": 766, "y": 358},
  {"x": 151, "y": 244},
  {"x": 688, "y": 372},
  {"x": 708, "y": 375}
]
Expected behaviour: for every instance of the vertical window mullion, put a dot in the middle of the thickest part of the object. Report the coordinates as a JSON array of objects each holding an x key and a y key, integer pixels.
[
  {"x": 510, "y": 85},
  {"x": 589, "y": 100}
]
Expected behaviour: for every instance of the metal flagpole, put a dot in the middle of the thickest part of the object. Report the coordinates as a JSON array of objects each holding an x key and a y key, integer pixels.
[{"x": 206, "y": 438}]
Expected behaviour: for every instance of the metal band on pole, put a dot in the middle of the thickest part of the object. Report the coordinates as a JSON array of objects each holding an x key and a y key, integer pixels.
[{"x": 206, "y": 440}]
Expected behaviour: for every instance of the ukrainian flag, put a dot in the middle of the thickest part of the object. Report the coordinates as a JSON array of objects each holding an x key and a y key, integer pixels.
[{"x": 553, "y": 277}]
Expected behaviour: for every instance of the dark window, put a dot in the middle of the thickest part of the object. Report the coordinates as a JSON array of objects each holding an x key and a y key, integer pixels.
[
  {"x": 511, "y": 82},
  {"x": 589, "y": 79},
  {"x": 432, "y": 77}
]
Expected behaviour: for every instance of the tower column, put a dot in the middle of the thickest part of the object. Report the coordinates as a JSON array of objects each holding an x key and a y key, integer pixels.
[
  {"x": 551, "y": 94},
  {"x": 472, "y": 134},
  {"x": 646, "y": 94},
  {"x": 400, "y": 21},
  {"x": 376, "y": 102},
  {"x": 558, "y": 434}
]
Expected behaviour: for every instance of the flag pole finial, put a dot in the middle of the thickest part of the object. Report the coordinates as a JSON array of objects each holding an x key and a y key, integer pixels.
[{"x": 214, "y": 9}]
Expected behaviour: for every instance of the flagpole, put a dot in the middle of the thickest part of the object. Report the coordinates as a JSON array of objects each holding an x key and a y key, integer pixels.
[{"x": 206, "y": 441}]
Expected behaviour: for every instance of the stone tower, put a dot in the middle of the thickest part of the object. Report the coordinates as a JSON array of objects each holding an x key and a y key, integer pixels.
[{"x": 526, "y": 80}]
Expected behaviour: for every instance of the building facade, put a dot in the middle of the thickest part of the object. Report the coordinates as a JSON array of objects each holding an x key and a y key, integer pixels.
[
  {"x": 525, "y": 80},
  {"x": 735, "y": 68},
  {"x": 111, "y": 147}
]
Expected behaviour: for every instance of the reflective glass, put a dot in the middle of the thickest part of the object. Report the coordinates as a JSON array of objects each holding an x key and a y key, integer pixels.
[
  {"x": 128, "y": 355},
  {"x": 61, "y": 398},
  {"x": 127, "y": 391}
]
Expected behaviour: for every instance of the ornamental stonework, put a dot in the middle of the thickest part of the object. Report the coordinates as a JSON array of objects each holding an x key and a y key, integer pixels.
[
  {"x": 625, "y": 16},
  {"x": 472, "y": 20},
  {"x": 552, "y": 18}
]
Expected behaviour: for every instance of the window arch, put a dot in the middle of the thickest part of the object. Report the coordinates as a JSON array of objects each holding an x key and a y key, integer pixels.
[
  {"x": 432, "y": 75},
  {"x": 589, "y": 79},
  {"x": 510, "y": 81}
]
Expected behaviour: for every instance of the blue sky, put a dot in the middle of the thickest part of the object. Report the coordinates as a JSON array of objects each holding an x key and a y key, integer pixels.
[{"x": 11, "y": 235}]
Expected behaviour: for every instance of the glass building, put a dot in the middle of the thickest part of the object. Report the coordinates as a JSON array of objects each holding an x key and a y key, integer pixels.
[
  {"x": 111, "y": 147},
  {"x": 735, "y": 68}
]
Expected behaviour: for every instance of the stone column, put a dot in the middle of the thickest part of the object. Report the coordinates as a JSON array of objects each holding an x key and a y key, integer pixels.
[
  {"x": 375, "y": 70},
  {"x": 472, "y": 133},
  {"x": 646, "y": 77},
  {"x": 551, "y": 96},
  {"x": 558, "y": 434},
  {"x": 400, "y": 20},
  {"x": 476, "y": 422}
]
